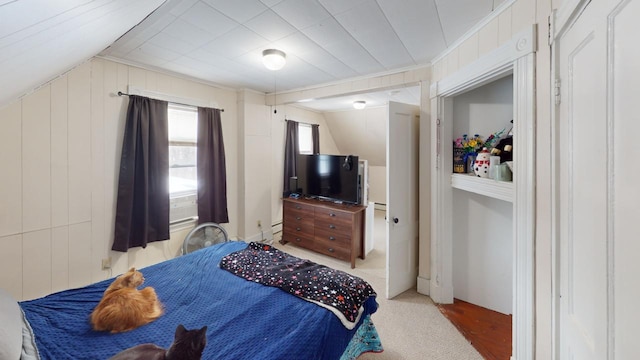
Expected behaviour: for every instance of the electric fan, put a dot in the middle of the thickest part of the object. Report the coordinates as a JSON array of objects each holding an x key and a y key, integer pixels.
[{"x": 203, "y": 235}]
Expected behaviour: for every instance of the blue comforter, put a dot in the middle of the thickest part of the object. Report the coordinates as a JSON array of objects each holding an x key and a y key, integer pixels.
[{"x": 245, "y": 320}]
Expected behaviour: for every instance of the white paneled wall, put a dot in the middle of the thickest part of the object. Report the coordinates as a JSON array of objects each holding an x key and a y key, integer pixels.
[
  {"x": 520, "y": 15},
  {"x": 80, "y": 266},
  {"x": 257, "y": 182},
  {"x": 59, "y": 153},
  {"x": 59, "y": 258},
  {"x": 60, "y": 148},
  {"x": 98, "y": 154},
  {"x": 257, "y": 188},
  {"x": 11, "y": 264},
  {"x": 36, "y": 168},
  {"x": 11, "y": 160},
  {"x": 488, "y": 38},
  {"x": 504, "y": 26},
  {"x": 79, "y": 143},
  {"x": 37, "y": 264}
]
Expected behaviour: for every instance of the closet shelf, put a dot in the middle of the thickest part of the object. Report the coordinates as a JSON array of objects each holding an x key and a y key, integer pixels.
[{"x": 502, "y": 190}]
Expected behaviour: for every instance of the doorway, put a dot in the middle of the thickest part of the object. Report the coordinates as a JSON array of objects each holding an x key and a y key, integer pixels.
[
  {"x": 515, "y": 57},
  {"x": 364, "y": 133}
]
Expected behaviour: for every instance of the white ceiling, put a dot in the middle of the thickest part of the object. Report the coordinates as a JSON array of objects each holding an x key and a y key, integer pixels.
[
  {"x": 221, "y": 41},
  {"x": 407, "y": 95}
]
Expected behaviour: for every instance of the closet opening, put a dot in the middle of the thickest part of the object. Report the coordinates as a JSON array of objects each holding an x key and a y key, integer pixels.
[{"x": 483, "y": 229}]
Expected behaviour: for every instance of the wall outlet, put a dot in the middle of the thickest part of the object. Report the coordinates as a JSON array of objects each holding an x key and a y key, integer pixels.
[
  {"x": 259, "y": 223},
  {"x": 106, "y": 263}
]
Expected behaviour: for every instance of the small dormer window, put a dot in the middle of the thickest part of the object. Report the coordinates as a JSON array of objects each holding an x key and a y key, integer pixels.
[{"x": 305, "y": 140}]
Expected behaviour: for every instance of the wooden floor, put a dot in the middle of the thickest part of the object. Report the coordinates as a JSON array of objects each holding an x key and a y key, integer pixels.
[{"x": 487, "y": 330}]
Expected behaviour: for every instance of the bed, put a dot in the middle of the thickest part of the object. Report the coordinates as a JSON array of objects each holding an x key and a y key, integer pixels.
[{"x": 245, "y": 319}]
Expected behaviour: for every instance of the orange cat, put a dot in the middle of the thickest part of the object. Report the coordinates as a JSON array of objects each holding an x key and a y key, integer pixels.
[{"x": 123, "y": 307}]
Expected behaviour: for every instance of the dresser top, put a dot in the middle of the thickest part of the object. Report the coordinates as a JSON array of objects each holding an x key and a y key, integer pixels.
[{"x": 328, "y": 204}]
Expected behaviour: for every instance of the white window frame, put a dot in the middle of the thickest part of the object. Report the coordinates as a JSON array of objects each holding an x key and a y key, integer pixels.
[{"x": 186, "y": 201}]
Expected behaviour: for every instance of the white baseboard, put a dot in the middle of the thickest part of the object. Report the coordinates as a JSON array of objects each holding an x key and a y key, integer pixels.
[
  {"x": 276, "y": 228},
  {"x": 424, "y": 286},
  {"x": 440, "y": 294}
]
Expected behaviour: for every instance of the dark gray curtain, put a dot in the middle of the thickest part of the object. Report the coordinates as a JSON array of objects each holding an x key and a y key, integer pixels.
[
  {"x": 212, "y": 174},
  {"x": 142, "y": 210},
  {"x": 291, "y": 151},
  {"x": 315, "y": 137}
]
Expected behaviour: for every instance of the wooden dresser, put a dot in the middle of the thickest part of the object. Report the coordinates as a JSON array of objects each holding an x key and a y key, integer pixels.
[{"x": 335, "y": 230}]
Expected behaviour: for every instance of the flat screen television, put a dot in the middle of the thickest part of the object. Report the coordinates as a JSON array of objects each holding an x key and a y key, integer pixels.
[{"x": 331, "y": 177}]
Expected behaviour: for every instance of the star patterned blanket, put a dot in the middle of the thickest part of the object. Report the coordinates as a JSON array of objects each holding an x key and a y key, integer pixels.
[{"x": 341, "y": 293}]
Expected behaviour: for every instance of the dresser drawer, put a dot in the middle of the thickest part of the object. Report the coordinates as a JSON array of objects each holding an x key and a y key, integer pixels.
[
  {"x": 295, "y": 219},
  {"x": 298, "y": 229},
  {"x": 302, "y": 240},
  {"x": 329, "y": 236},
  {"x": 331, "y": 249},
  {"x": 298, "y": 208},
  {"x": 336, "y": 226},
  {"x": 332, "y": 215}
]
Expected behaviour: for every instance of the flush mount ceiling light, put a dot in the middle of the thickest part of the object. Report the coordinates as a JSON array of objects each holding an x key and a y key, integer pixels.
[
  {"x": 274, "y": 59},
  {"x": 359, "y": 104}
]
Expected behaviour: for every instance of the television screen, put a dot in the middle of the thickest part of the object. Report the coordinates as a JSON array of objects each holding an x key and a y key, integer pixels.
[{"x": 333, "y": 177}]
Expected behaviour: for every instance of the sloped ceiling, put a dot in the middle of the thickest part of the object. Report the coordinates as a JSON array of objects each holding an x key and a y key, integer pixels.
[
  {"x": 221, "y": 41},
  {"x": 361, "y": 132},
  {"x": 41, "y": 39}
]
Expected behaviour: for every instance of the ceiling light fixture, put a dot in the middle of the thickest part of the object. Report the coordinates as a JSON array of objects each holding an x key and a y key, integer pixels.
[
  {"x": 359, "y": 104},
  {"x": 274, "y": 59}
]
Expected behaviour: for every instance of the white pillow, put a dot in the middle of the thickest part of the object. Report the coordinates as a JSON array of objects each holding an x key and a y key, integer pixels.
[{"x": 11, "y": 329}]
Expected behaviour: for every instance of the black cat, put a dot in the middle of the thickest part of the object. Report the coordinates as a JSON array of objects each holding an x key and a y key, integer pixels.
[{"x": 187, "y": 345}]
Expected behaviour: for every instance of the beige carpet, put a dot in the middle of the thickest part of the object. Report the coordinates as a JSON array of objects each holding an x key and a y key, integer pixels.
[{"x": 410, "y": 325}]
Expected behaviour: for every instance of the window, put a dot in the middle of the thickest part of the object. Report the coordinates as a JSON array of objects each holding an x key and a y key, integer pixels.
[
  {"x": 305, "y": 140},
  {"x": 183, "y": 181}
]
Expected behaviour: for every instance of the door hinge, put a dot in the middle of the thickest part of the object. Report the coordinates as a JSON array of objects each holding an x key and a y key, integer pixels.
[
  {"x": 556, "y": 91},
  {"x": 551, "y": 30}
]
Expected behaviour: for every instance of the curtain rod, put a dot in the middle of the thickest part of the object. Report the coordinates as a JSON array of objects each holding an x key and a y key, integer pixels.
[
  {"x": 120, "y": 93},
  {"x": 300, "y": 122}
]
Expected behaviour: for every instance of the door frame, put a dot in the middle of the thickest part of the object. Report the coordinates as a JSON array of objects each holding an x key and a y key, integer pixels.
[{"x": 516, "y": 57}]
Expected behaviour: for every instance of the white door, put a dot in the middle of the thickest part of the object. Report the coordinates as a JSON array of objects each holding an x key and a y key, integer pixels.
[
  {"x": 597, "y": 176},
  {"x": 402, "y": 198}
]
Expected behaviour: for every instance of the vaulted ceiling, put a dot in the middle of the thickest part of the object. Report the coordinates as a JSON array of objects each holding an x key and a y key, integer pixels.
[{"x": 221, "y": 41}]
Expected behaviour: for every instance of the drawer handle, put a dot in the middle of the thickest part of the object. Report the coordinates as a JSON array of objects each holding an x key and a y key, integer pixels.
[
  {"x": 331, "y": 250},
  {"x": 298, "y": 218},
  {"x": 332, "y": 237},
  {"x": 332, "y": 226},
  {"x": 298, "y": 229},
  {"x": 332, "y": 214},
  {"x": 298, "y": 239},
  {"x": 298, "y": 207}
]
